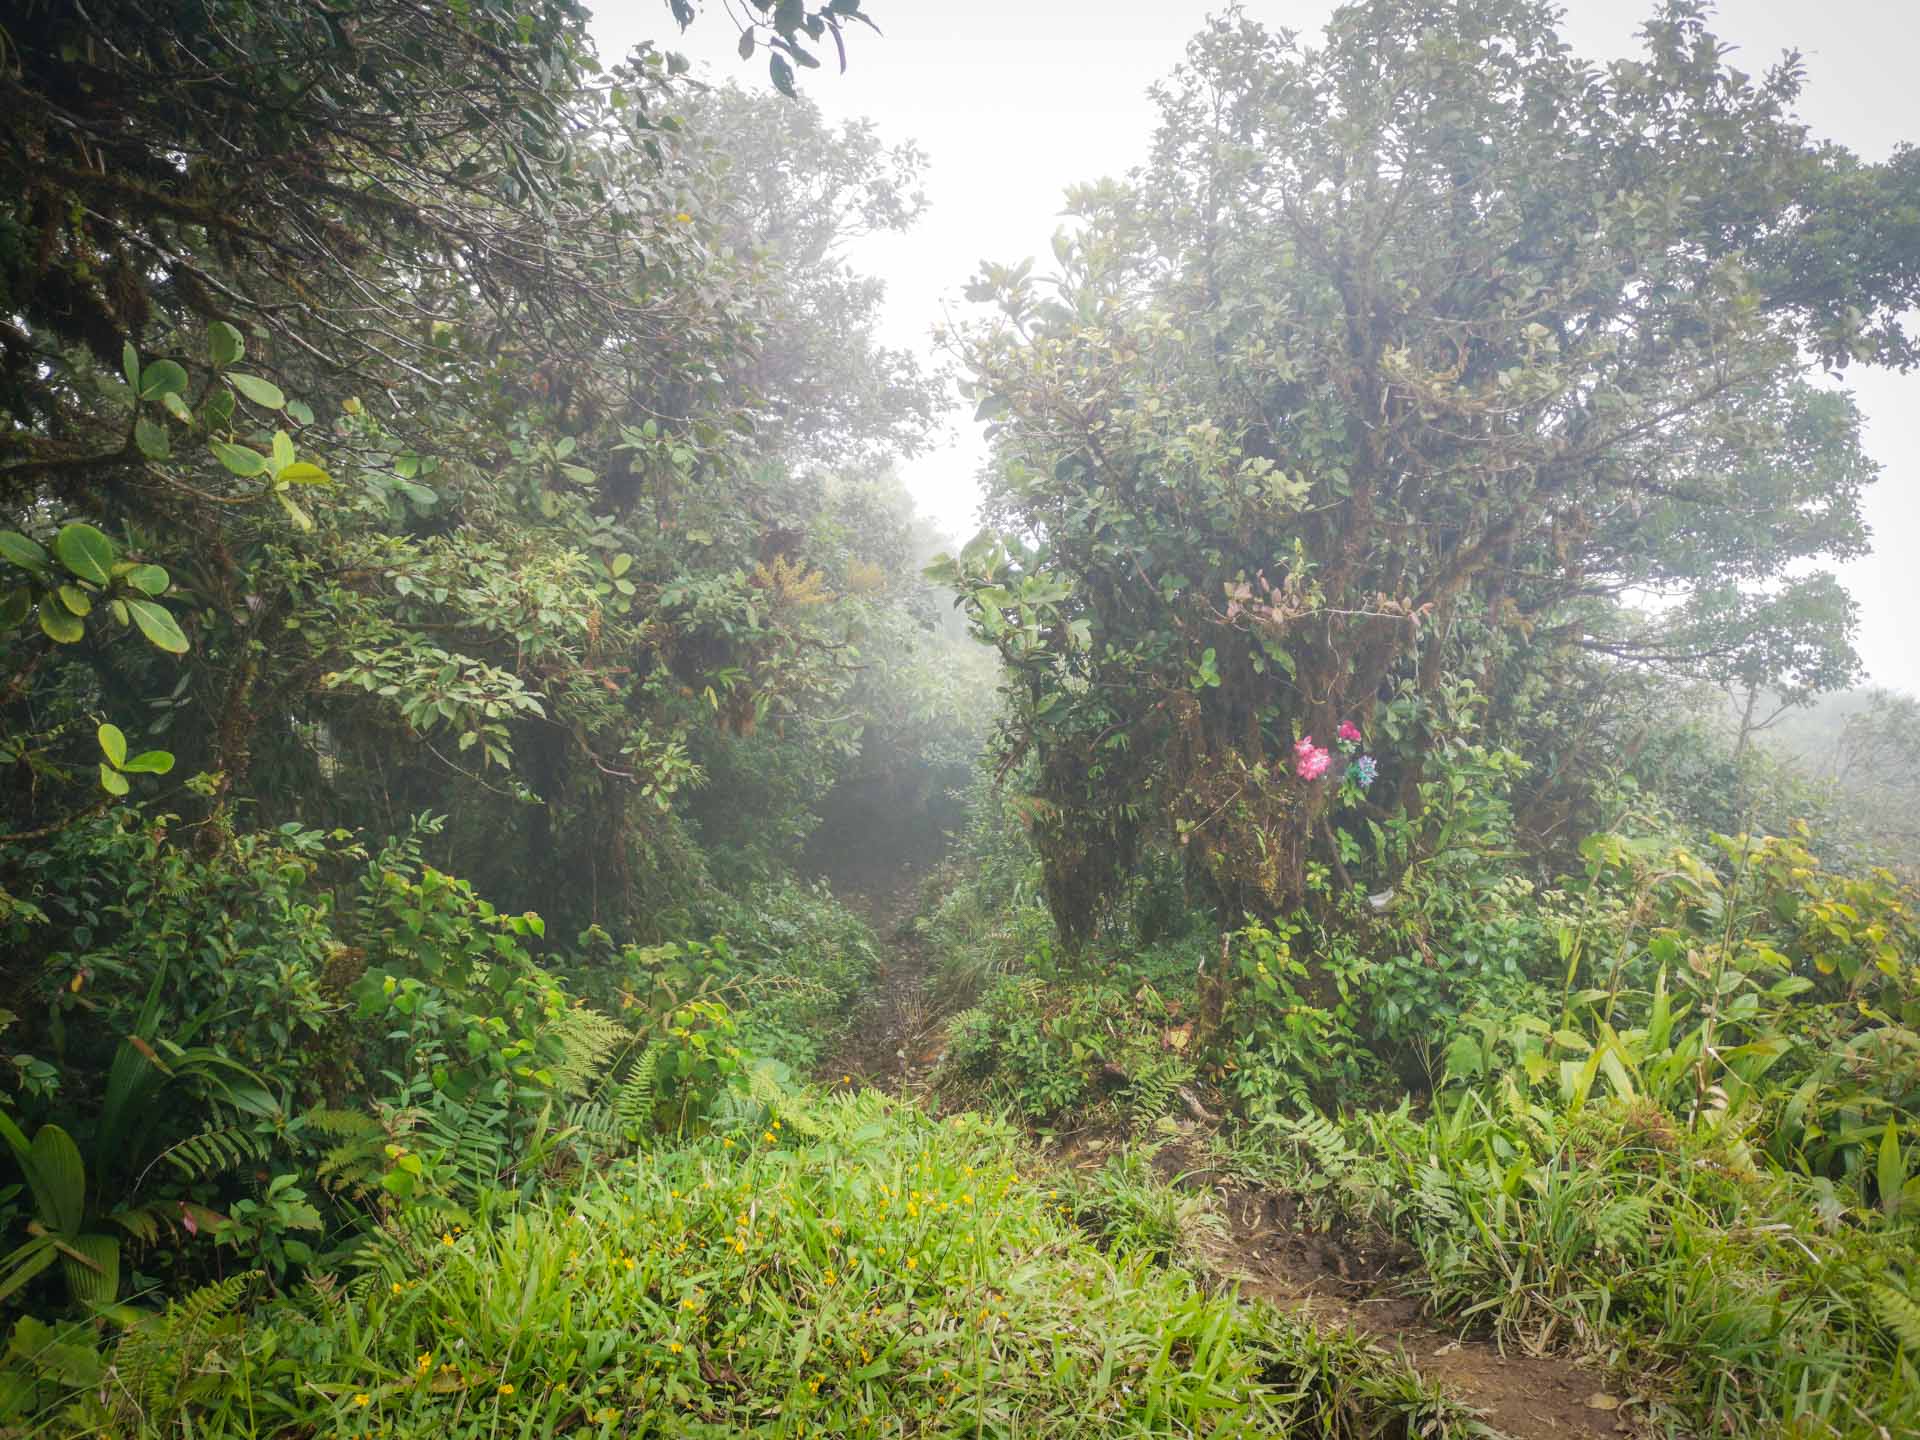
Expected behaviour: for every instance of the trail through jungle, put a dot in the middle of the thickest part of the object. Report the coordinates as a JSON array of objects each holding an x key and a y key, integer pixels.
[{"x": 1351, "y": 1280}]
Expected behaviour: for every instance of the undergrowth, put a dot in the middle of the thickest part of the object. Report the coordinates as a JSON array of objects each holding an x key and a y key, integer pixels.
[{"x": 855, "y": 1268}]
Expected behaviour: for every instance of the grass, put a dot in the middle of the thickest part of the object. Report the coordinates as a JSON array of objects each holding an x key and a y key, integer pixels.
[
  {"x": 1762, "y": 1302},
  {"x": 855, "y": 1268}
]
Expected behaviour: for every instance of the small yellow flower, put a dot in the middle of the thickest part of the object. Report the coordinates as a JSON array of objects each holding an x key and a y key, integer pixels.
[
  {"x": 912, "y": 1264},
  {"x": 398, "y": 1287},
  {"x": 684, "y": 218},
  {"x": 675, "y": 1346},
  {"x": 832, "y": 1278},
  {"x": 506, "y": 1389},
  {"x": 688, "y": 1305},
  {"x": 728, "y": 1142},
  {"x": 629, "y": 1262},
  {"x": 767, "y": 1135},
  {"x": 363, "y": 1400},
  {"x": 446, "y": 1239},
  {"x": 425, "y": 1362}
]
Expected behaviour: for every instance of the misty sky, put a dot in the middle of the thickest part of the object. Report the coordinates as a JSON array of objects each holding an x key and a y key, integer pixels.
[{"x": 1014, "y": 102}]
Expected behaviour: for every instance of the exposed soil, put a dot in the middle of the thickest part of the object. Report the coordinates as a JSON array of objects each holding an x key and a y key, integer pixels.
[
  {"x": 1358, "y": 1280},
  {"x": 1352, "y": 1280},
  {"x": 894, "y": 1037}
]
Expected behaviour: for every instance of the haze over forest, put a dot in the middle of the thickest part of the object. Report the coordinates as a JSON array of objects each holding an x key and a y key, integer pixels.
[{"x": 908, "y": 720}]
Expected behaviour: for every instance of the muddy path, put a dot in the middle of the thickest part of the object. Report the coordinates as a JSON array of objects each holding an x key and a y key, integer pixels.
[
  {"x": 1360, "y": 1281},
  {"x": 1352, "y": 1281},
  {"x": 894, "y": 1035}
]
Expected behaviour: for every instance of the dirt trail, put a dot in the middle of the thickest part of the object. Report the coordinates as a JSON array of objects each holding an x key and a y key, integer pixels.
[
  {"x": 895, "y": 1040},
  {"x": 1358, "y": 1281}
]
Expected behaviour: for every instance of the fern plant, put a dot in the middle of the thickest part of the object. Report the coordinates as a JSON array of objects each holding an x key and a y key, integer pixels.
[{"x": 171, "y": 1358}]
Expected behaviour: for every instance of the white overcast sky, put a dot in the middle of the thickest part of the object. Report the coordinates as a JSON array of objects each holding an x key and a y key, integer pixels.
[{"x": 1015, "y": 101}]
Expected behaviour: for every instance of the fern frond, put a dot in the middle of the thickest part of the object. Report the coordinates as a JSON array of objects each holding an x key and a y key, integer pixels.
[
  {"x": 635, "y": 1101},
  {"x": 215, "y": 1152},
  {"x": 589, "y": 1043},
  {"x": 161, "y": 1364},
  {"x": 1899, "y": 1313}
]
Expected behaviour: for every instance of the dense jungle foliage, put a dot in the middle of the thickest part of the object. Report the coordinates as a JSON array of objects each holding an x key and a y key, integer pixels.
[{"x": 464, "y": 632}]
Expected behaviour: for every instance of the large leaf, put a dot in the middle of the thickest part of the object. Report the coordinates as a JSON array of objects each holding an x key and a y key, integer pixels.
[
  {"x": 58, "y": 1180},
  {"x": 85, "y": 551},
  {"x": 152, "y": 439},
  {"x": 261, "y": 392},
  {"x": 1889, "y": 1170},
  {"x": 225, "y": 345},
  {"x": 113, "y": 744},
  {"x": 294, "y": 512},
  {"x": 59, "y": 624},
  {"x": 149, "y": 579},
  {"x": 150, "y": 762},
  {"x": 162, "y": 377},
  {"x": 241, "y": 460},
  {"x": 92, "y": 1266},
  {"x": 157, "y": 625},
  {"x": 24, "y": 552}
]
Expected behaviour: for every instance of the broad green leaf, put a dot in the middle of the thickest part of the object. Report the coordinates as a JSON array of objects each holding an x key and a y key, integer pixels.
[
  {"x": 113, "y": 744},
  {"x": 58, "y": 1180},
  {"x": 152, "y": 439},
  {"x": 150, "y": 579},
  {"x": 162, "y": 377},
  {"x": 260, "y": 392},
  {"x": 294, "y": 512},
  {"x": 92, "y": 1266},
  {"x": 24, "y": 552},
  {"x": 158, "y": 626},
  {"x": 76, "y": 599},
  {"x": 225, "y": 345},
  {"x": 217, "y": 408},
  {"x": 112, "y": 781},
  {"x": 282, "y": 451},
  {"x": 150, "y": 762},
  {"x": 240, "y": 459},
  {"x": 620, "y": 564},
  {"x": 299, "y": 412},
  {"x": 130, "y": 364},
  {"x": 59, "y": 625},
  {"x": 85, "y": 551},
  {"x": 304, "y": 472},
  {"x": 1889, "y": 1171},
  {"x": 176, "y": 407}
]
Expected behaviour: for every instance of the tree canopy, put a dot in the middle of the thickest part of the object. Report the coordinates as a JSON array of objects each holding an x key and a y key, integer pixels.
[{"x": 1405, "y": 354}]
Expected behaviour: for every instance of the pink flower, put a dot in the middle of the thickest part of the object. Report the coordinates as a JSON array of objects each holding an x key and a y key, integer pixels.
[
  {"x": 1312, "y": 761},
  {"x": 1349, "y": 730}
]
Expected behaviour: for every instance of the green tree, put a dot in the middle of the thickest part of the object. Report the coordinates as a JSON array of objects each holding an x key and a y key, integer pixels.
[{"x": 1403, "y": 354}]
